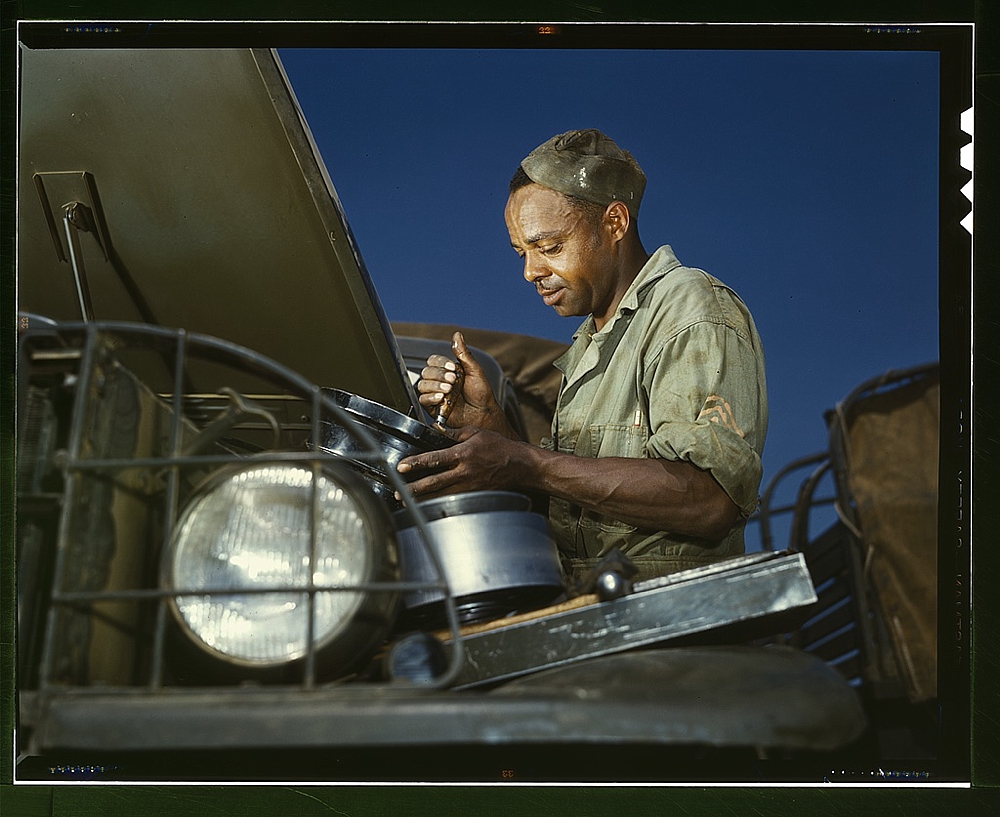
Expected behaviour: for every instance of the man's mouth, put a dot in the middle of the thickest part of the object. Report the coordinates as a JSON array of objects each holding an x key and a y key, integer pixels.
[{"x": 550, "y": 296}]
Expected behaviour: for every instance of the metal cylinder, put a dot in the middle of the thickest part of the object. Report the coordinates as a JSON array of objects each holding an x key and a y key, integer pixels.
[{"x": 494, "y": 561}]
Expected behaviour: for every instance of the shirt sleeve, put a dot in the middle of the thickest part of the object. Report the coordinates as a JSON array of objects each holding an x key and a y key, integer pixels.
[{"x": 708, "y": 406}]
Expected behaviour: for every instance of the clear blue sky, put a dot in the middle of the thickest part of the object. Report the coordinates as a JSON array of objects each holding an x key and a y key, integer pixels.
[{"x": 806, "y": 180}]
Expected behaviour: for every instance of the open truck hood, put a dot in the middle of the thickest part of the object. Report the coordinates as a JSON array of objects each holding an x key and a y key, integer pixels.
[{"x": 203, "y": 203}]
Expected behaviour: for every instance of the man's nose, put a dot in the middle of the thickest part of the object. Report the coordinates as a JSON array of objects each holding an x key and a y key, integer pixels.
[{"x": 533, "y": 270}]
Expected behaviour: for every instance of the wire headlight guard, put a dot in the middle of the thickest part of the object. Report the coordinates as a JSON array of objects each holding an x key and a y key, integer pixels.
[{"x": 239, "y": 563}]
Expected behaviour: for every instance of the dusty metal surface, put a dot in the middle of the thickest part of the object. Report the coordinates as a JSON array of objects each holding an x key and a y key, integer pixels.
[
  {"x": 723, "y": 696},
  {"x": 745, "y": 589}
]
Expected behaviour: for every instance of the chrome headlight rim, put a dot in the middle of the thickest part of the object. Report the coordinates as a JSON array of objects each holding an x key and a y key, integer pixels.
[{"x": 360, "y": 626}]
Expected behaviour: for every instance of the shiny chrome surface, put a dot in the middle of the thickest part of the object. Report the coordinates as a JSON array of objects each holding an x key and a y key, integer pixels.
[
  {"x": 503, "y": 557},
  {"x": 457, "y": 504},
  {"x": 397, "y": 436},
  {"x": 749, "y": 596}
]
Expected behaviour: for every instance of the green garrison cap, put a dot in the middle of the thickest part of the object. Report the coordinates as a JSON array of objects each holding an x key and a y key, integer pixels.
[{"x": 589, "y": 165}]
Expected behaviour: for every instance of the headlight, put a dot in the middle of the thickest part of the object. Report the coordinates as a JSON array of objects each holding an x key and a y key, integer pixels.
[{"x": 250, "y": 530}]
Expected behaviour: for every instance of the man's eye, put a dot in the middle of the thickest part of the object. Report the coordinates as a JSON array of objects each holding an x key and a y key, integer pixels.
[{"x": 553, "y": 250}]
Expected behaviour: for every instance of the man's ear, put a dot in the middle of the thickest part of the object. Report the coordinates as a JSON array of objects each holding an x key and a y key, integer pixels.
[{"x": 618, "y": 220}]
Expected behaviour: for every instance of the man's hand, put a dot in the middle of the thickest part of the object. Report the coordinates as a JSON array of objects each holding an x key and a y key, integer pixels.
[
  {"x": 474, "y": 402},
  {"x": 482, "y": 460}
]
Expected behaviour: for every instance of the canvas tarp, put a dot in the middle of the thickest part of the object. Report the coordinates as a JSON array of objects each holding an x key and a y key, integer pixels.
[
  {"x": 890, "y": 449},
  {"x": 527, "y": 362}
]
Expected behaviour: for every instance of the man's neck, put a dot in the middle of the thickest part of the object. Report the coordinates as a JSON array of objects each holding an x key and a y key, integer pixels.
[{"x": 632, "y": 260}]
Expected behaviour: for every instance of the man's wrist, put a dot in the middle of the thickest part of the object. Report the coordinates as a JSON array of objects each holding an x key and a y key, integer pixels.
[{"x": 492, "y": 418}]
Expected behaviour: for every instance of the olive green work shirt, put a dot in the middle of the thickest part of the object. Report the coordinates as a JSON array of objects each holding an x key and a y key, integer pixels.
[{"x": 677, "y": 373}]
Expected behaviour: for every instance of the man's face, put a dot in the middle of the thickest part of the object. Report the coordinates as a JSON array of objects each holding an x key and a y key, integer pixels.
[{"x": 567, "y": 256}]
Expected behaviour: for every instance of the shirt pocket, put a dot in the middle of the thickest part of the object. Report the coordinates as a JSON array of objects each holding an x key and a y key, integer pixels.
[
  {"x": 613, "y": 440},
  {"x": 619, "y": 440}
]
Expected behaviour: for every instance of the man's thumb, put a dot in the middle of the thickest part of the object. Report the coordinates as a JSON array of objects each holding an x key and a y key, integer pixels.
[{"x": 462, "y": 352}]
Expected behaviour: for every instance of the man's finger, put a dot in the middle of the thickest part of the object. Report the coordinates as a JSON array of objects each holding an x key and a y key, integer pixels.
[
  {"x": 431, "y": 399},
  {"x": 424, "y": 462},
  {"x": 443, "y": 482},
  {"x": 461, "y": 350},
  {"x": 465, "y": 357},
  {"x": 440, "y": 362},
  {"x": 432, "y": 386}
]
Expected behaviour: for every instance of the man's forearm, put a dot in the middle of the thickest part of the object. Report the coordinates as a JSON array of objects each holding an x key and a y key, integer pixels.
[{"x": 648, "y": 493}]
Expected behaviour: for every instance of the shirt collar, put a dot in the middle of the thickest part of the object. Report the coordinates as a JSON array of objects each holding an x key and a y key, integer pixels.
[{"x": 659, "y": 264}]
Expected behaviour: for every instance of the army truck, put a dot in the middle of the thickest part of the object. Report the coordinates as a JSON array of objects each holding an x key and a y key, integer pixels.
[{"x": 220, "y": 574}]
